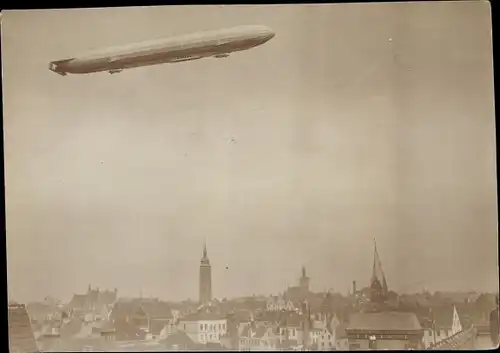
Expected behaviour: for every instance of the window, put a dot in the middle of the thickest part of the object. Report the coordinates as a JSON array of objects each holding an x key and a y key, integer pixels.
[
  {"x": 201, "y": 327},
  {"x": 372, "y": 344}
]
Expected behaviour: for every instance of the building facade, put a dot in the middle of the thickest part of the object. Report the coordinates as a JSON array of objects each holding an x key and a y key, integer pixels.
[
  {"x": 278, "y": 303},
  {"x": 203, "y": 327},
  {"x": 93, "y": 304},
  {"x": 384, "y": 330}
]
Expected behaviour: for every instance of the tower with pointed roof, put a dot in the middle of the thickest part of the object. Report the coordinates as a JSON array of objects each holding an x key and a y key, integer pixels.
[
  {"x": 304, "y": 281},
  {"x": 205, "y": 278},
  {"x": 378, "y": 283}
]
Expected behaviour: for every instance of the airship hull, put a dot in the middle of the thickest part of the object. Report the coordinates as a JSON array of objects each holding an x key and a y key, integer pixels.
[{"x": 213, "y": 44}]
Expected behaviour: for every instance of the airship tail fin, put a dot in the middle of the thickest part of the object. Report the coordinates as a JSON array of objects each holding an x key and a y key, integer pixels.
[
  {"x": 59, "y": 62},
  {"x": 55, "y": 66}
]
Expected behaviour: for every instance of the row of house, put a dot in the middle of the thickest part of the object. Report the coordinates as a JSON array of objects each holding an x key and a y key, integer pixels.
[{"x": 141, "y": 320}]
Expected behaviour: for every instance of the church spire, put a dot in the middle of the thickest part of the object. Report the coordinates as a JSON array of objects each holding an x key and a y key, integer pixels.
[
  {"x": 375, "y": 255},
  {"x": 204, "y": 259},
  {"x": 378, "y": 281},
  {"x": 205, "y": 278}
]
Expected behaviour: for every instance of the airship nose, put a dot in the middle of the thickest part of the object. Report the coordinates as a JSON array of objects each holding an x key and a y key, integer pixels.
[{"x": 268, "y": 34}]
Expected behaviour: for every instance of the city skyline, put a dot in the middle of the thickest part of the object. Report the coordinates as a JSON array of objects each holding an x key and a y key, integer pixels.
[
  {"x": 281, "y": 292},
  {"x": 299, "y": 152}
]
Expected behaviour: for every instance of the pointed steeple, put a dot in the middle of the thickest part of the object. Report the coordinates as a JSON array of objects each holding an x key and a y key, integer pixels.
[
  {"x": 378, "y": 281},
  {"x": 205, "y": 278},
  {"x": 378, "y": 273},
  {"x": 375, "y": 256},
  {"x": 204, "y": 259}
]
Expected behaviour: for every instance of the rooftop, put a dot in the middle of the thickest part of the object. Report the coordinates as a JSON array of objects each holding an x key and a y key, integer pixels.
[
  {"x": 21, "y": 338},
  {"x": 202, "y": 316},
  {"x": 384, "y": 321}
]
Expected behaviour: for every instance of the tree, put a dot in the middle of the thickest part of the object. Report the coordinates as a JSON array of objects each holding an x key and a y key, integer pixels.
[
  {"x": 484, "y": 304},
  {"x": 391, "y": 295}
]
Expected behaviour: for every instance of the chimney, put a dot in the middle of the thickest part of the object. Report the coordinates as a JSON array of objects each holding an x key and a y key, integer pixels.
[{"x": 353, "y": 287}]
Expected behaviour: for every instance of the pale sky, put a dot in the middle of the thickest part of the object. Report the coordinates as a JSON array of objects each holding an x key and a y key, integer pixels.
[{"x": 356, "y": 121}]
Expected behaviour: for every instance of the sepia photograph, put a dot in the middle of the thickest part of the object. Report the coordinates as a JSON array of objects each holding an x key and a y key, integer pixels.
[{"x": 299, "y": 177}]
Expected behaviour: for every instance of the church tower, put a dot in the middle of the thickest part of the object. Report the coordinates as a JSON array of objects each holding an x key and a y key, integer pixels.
[
  {"x": 205, "y": 278},
  {"x": 378, "y": 285},
  {"x": 304, "y": 281}
]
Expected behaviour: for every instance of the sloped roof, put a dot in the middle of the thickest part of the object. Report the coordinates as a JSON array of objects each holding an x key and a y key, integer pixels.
[
  {"x": 122, "y": 309},
  {"x": 202, "y": 316},
  {"x": 340, "y": 331},
  {"x": 457, "y": 341},
  {"x": 384, "y": 321},
  {"x": 78, "y": 301},
  {"x": 21, "y": 337},
  {"x": 253, "y": 332},
  {"x": 180, "y": 339}
]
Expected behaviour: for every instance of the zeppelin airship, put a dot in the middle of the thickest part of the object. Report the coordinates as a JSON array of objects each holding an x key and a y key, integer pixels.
[{"x": 210, "y": 44}]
